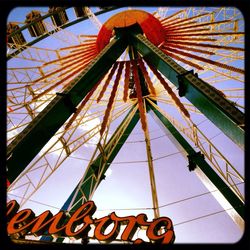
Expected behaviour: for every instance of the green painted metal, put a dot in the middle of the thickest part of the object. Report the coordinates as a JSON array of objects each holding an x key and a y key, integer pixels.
[
  {"x": 90, "y": 181},
  {"x": 204, "y": 97},
  {"x": 32, "y": 139},
  {"x": 199, "y": 160},
  {"x": 102, "y": 164}
]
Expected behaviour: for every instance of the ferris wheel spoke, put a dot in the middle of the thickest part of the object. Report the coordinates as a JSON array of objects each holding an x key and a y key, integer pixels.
[
  {"x": 68, "y": 77},
  {"x": 205, "y": 45},
  {"x": 216, "y": 63},
  {"x": 168, "y": 101},
  {"x": 144, "y": 125},
  {"x": 93, "y": 18},
  {"x": 181, "y": 59},
  {"x": 219, "y": 73},
  {"x": 111, "y": 99},
  {"x": 63, "y": 35},
  {"x": 20, "y": 76},
  {"x": 50, "y": 166},
  {"x": 176, "y": 100},
  {"x": 79, "y": 61},
  {"x": 35, "y": 54}
]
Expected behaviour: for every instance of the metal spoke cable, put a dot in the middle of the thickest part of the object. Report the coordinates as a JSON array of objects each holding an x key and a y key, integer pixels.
[
  {"x": 158, "y": 137},
  {"x": 37, "y": 202},
  {"x": 143, "y": 161},
  {"x": 203, "y": 216},
  {"x": 125, "y": 162},
  {"x": 150, "y": 208},
  {"x": 168, "y": 204}
]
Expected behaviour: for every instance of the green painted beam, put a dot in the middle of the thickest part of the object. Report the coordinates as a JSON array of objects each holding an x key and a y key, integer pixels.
[
  {"x": 31, "y": 140},
  {"x": 211, "y": 177},
  {"x": 100, "y": 163},
  {"x": 89, "y": 182},
  {"x": 204, "y": 97}
]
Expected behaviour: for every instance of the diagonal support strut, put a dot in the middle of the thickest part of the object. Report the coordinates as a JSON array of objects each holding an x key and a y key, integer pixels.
[
  {"x": 91, "y": 180},
  {"x": 31, "y": 140},
  {"x": 204, "y": 97},
  {"x": 225, "y": 196}
]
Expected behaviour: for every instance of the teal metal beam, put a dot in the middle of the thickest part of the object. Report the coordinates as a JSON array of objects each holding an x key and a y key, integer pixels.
[
  {"x": 208, "y": 175},
  {"x": 31, "y": 140},
  {"x": 101, "y": 164},
  {"x": 203, "y": 96},
  {"x": 90, "y": 181}
]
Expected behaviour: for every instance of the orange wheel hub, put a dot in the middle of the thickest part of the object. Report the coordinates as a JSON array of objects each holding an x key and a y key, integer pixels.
[{"x": 150, "y": 25}]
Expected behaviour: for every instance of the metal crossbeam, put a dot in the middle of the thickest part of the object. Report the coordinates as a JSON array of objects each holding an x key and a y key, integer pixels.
[
  {"x": 203, "y": 96},
  {"x": 31, "y": 140}
]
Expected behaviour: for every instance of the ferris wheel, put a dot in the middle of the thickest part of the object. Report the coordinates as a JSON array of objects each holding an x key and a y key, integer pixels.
[{"x": 85, "y": 103}]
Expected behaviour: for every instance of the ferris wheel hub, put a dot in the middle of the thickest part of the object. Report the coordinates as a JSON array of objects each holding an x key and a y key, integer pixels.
[{"x": 150, "y": 25}]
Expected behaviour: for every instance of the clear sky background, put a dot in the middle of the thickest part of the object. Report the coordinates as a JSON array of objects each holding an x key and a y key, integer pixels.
[{"x": 196, "y": 215}]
